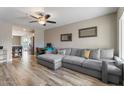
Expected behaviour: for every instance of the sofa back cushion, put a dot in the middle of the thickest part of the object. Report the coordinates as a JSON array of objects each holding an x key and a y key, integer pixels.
[
  {"x": 95, "y": 54},
  {"x": 68, "y": 51},
  {"x": 76, "y": 52},
  {"x": 106, "y": 53}
]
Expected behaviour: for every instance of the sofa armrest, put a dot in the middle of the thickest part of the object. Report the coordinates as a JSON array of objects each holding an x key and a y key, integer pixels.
[{"x": 105, "y": 71}]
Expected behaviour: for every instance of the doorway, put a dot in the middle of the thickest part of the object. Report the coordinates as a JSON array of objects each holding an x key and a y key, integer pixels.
[
  {"x": 23, "y": 42},
  {"x": 27, "y": 43}
]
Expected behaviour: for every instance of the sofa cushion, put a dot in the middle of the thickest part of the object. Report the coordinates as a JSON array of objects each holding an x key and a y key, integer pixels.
[
  {"x": 50, "y": 57},
  {"x": 68, "y": 51},
  {"x": 112, "y": 69},
  {"x": 107, "y": 53},
  {"x": 76, "y": 52},
  {"x": 73, "y": 60},
  {"x": 95, "y": 54},
  {"x": 92, "y": 64}
]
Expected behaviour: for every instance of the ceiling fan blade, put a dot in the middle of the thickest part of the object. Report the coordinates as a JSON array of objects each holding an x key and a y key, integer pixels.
[
  {"x": 51, "y": 22},
  {"x": 33, "y": 16},
  {"x": 47, "y": 16},
  {"x": 32, "y": 21}
]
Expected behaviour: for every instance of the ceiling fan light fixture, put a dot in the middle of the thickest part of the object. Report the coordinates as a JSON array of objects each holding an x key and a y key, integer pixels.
[
  {"x": 41, "y": 22},
  {"x": 42, "y": 19}
]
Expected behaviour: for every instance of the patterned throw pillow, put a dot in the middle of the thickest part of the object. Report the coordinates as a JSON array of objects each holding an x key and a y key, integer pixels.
[
  {"x": 61, "y": 51},
  {"x": 86, "y": 54},
  {"x": 95, "y": 54}
]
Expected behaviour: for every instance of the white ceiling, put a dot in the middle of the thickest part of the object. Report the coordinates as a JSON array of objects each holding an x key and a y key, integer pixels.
[
  {"x": 21, "y": 31},
  {"x": 62, "y": 15}
]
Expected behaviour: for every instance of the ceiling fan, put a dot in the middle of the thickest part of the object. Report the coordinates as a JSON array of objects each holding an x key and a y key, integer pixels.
[{"x": 42, "y": 19}]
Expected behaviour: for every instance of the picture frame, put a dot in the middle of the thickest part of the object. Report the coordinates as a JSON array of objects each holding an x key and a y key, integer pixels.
[
  {"x": 66, "y": 37},
  {"x": 88, "y": 32}
]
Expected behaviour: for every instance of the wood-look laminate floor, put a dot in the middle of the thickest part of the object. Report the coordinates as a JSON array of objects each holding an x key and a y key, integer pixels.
[{"x": 27, "y": 72}]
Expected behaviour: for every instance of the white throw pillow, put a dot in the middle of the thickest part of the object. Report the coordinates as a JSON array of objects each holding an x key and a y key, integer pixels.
[{"x": 61, "y": 51}]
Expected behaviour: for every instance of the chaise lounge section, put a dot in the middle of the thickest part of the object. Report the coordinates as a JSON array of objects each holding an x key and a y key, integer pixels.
[
  {"x": 102, "y": 64},
  {"x": 50, "y": 60}
]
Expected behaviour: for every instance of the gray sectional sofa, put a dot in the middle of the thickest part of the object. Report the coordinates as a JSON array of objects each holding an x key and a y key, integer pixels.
[{"x": 102, "y": 63}]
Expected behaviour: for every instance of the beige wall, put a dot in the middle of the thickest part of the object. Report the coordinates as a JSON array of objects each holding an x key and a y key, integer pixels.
[
  {"x": 16, "y": 40},
  {"x": 107, "y": 30}
]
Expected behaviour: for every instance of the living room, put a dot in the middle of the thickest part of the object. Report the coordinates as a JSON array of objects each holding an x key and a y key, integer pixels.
[{"x": 63, "y": 44}]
